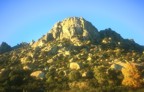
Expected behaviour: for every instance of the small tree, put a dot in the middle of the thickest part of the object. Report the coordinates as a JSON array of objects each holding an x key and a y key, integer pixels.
[
  {"x": 132, "y": 77},
  {"x": 115, "y": 77},
  {"x": 16, "y": 80},
  {"x": 100, "y": 75},
  {"x": 74, "y": 75}
]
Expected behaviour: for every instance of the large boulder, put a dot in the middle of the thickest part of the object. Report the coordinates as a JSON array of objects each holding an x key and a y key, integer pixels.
[
  {"x": 75, "y": 66},
  {"x": 50, "y": 61},
  {"x": 116, "y": 67},
  {"x": 26, "y": 67},
  {"x": 38, "y": 74}
]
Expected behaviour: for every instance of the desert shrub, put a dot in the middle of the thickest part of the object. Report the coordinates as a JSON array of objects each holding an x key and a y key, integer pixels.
[
  {"x": 50, "y": 79},
  {"x": 100, "y": 75},
  {"x": 4, "y": 75},
  {"x": 16, "y": 80},
  {"x": 132, "y": 77},
  {"x": 35, "y": 86},
  {"x": 74, "y": 75},
  {"x": 90, "y": 75},
  {"x": 115, "y": 77}
]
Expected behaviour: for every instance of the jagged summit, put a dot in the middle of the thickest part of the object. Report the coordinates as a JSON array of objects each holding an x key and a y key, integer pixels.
[
  {"x": 79, "y": 31},
  {"x": 74, "y": 29}
]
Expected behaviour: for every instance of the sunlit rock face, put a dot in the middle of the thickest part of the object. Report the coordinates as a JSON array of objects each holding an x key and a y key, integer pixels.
[
  {"x": 74, "y": 66},
  {"x": 37, "y": 74},
  {"x": 74, "y": 29}
]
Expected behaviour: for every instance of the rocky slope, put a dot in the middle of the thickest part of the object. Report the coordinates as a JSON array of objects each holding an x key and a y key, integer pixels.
[{"x": 72, "y": 54}]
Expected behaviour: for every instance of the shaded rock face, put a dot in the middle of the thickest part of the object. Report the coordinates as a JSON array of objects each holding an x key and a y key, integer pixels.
[
  {"x": 74, "y": 29},
  {"x": 109, "y": 33},
  {"x": 116, "y": 67},
  {"x": 4, "y": 47}
]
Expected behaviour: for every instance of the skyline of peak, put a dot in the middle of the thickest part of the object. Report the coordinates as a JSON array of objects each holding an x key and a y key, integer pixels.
[
  {"x": 73, "y": 27},
  {"x": 27, "y": 20}
]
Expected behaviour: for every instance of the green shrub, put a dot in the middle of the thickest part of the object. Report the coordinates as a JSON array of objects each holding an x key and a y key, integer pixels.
[
  {"x": 100, "y": 75},
  {"x": 74, "y": 75}
]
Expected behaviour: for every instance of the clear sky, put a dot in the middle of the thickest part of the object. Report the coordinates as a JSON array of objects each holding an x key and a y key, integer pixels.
[{"x": 24, "y": 20}]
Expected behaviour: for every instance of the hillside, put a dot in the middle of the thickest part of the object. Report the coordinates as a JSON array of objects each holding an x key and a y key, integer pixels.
[{"x": 72, "y": 56}]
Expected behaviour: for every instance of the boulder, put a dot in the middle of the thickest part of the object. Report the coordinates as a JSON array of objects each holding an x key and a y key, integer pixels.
[
  {"x": 2, "y": 70},
  {"x": 89, "y": 58},
  {"x": 38, "y": 74},
  {"x": 75, "y": 66},
  {"x": 116, "y": 67},
  {"x": 26, "y": 67},
  {"x": 67, "y": 53},
  {"x": 50, "y": 61},
  {"x": 84, "y": 74}
]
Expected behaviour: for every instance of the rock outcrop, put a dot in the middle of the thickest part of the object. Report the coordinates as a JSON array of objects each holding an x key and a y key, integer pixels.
[
  {"x": 37, "y": 74},
  {"x": 75, "y": 66},
  {"x": 74, "y": 29},
  {"x": 4, "y": 47}
]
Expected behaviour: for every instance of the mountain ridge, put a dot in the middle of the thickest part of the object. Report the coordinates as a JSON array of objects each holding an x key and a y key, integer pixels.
[
  {"x": 78, "y": 31},
  {"x": 65, "y": 59}
]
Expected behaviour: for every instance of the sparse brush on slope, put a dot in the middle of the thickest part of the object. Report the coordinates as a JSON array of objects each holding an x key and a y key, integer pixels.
[{"x": 73, "y": 55}]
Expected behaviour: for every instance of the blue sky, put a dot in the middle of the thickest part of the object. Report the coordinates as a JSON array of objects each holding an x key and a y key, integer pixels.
[{"x": 26, "y": 20}]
